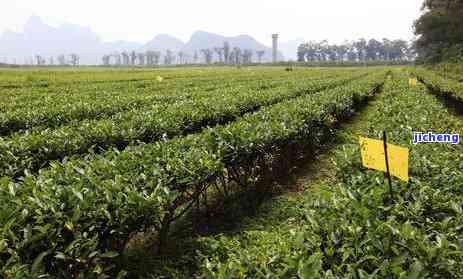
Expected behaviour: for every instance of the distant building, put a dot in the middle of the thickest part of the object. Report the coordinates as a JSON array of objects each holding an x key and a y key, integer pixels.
[{"x": 275, "y": 48}]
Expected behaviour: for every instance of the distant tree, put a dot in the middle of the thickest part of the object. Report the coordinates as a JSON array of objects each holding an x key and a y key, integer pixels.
[
  {"x": 301, "y": 52},
  {"x": 187, "y": 58},
  {"x": 399, "y": 50},
  {"x": 360, "y": 50},
  {"x": 106, "y": 60},
  {"x": 133, "y": 58},
  {"x": 247, "y": 56},
  {"x": 195, "y": 57},
  {"x": 174, "y": 58},
  {"x": 373, "y": 49},
  {"x": 38, "y": 58},
  {"x": 125, "y": 58},
  {"x": 181, "y": 57},
  {"x": 351, "y": 52},
  {"x": 440, "y": 30},
  {"x": 207, "y": 55},
  {"x": 62, "y": 60},
  {"x": 118, "y": 59},
  {"x": 75, "y": 58},
  {"x": 219, "y": 51},
  {"x": 361, "y": 46},
  {"x": 236, "y": 53},
  {"x": 141, "y": 58},
  {"x": 309, "y": 51},
  {"x": 342, "y": 51},
  {"x": 149, "y": 57},
  {"x": 169, "y": 57},
  {"x": 231, "y": 57},
  {"x": 156, "y": 57},
  {"x": 260, "y": 55},
  {"x": 226, "y": 52},
  {"x": 386, "y": 49},
  {"x": 315, "y": 51},
  {"x": 330, "y": 51},
  {"x": 410, "y": 53}
]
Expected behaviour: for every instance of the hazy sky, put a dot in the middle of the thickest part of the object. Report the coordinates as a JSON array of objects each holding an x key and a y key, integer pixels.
[{"x": 141, "y": 20}]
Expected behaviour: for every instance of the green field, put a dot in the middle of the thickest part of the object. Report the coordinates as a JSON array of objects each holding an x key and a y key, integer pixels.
[{"x": 224, "y": 172}]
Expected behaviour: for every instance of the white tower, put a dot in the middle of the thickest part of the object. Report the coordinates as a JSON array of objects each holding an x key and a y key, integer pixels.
[{"x": 275, "y": 48}]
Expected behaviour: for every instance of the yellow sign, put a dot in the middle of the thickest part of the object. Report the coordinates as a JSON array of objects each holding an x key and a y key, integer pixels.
[
  {"x": 412, "y": 82},
  {"x": 373, "y": 157},
  {"x": 159, "y": 78}
]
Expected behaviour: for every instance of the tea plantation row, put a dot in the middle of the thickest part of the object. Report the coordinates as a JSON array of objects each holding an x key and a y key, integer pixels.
[
  {"x": 35, "y": 149},
  {"x": 347, "y": 228},
  {"x": 73, "y": 218}
]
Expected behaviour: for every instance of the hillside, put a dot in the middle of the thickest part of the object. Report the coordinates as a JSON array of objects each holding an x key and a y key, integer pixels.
[
  {"x": 163, "y": 42},
  {"x": 39, "y": 38}
]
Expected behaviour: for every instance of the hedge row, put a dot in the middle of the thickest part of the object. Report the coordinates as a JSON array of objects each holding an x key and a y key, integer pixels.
[{"x": 75, "y": 217}]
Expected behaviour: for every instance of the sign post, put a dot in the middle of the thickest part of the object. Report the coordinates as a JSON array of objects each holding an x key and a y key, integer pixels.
[
  {"x": 388, "y": 173},
  {"x": 388, "y": 158}
]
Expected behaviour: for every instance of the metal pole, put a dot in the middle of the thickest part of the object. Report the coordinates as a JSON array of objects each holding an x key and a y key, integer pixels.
[{"x": 388, "y": 173}]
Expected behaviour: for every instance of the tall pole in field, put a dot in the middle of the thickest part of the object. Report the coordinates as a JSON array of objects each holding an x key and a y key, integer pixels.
[
  {"x": 388, "y": 173},
  {"x": 275, "y": 48}
]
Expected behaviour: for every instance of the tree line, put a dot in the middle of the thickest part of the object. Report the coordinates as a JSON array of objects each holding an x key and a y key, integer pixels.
[
  {"x": 72, "y": 59},
  {"x": 356, "y": 51},
  {"x": 224, "y": 54},
  {"x": 440, "y": 31}
]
